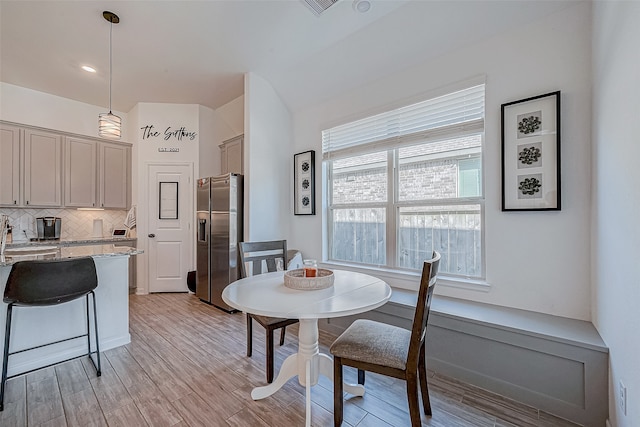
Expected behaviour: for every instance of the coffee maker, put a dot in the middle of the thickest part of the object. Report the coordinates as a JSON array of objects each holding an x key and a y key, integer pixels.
[{"x": 48, "y": 228}]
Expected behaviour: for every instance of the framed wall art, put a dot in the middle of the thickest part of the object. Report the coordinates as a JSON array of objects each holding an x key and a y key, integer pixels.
[
  {"x": 531, "y": 153},
  {"x": 304, "y": 183}
]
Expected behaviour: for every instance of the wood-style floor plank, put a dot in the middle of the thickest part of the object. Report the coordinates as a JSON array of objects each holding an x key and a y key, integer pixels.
[
  {"x": 82, "y": 409},
  {"x": 109, "y": 390},
  {"x": 125, "y": 416},
  {"x": 271, "y": 409},
  {"x": 15, "y": 402},
  {"x": 218, "y": 400},
  {"x": 71, "y": 377},
  {"x": 56, "y": 422},
  {"x": 186, "y": 366},
  {"x": 159, "y": 412},
  {"x": 44, "y": 402}
]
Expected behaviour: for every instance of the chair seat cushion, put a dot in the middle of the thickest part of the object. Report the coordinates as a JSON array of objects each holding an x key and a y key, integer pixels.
[
  {"x": 373, "y": 342},
  {"x": 265, "y": 320}
]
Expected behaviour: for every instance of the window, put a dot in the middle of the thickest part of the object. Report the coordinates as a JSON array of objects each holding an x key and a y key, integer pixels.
[{"x": 406, "y": 182}]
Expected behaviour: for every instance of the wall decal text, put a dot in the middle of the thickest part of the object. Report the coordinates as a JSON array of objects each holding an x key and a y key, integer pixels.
[{"x": 149, "y": 132}]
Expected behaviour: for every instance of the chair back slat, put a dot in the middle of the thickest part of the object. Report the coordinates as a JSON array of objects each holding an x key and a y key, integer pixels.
[
  {"x": 50, "y": 282},
  {"x": 259, "y": 253},
  {"x": 423, "y": 307},
  {"x": 257, "y": 267}
]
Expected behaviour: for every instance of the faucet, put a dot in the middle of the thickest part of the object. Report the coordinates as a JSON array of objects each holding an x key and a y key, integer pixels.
[{"x": 4, "y": 228}]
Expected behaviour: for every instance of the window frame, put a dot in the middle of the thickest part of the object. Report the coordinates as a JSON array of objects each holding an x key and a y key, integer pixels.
[
  {"x": 392, "y": 208},
  {"x": 393, "y": 205}
]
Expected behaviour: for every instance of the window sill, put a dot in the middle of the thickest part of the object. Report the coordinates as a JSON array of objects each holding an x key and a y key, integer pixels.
[{"x": 410, "y": 280}]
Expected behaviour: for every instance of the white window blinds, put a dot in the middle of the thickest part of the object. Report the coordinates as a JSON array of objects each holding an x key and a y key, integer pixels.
[{"x": 456, "y": 113}]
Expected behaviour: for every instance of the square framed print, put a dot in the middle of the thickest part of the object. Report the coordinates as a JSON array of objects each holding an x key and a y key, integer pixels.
[
  {"x": 531, "y": 153},
  {"x": 304, "y": 192}
]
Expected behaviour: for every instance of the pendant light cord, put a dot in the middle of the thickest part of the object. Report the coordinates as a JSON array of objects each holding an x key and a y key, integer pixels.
[
  {"x": 110, "y": 60},
  {"x": 110, "y": 125}
]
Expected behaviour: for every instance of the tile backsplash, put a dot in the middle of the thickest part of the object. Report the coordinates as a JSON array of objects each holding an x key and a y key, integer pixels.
[{"x": 75, "y": 224}]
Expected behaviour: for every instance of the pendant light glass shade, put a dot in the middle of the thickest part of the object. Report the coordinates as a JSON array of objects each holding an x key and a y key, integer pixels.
[{"x": 109, "y": 125}]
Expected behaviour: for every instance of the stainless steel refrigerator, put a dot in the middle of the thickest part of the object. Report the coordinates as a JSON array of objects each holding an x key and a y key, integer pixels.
[{"x": 219, "y": 230}]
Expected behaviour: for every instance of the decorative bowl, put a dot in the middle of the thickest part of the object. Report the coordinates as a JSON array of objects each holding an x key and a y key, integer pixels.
[{"x": 295, "y": 279}]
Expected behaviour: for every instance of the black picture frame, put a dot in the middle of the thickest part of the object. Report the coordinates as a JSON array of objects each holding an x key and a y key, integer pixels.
[
  {"x": 531, "y": 154},
  {"x": 168, "y": 200},
  {"x": 304, "y": 186}
]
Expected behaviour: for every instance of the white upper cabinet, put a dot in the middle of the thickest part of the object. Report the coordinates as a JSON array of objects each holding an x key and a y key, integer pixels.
[
  {"x": 9, "y": 165},
  {"x": 48, "y": 169},
  {"x": 42, "y": 168},
  {"x": 97, "y": 174},
  {"x": 80, "y": 173},
  {"x": 114, "y": 172},
  {"x": 231, "y": 155}
]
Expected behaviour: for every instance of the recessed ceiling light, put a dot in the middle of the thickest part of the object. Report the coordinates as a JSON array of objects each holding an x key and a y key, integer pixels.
[
  {"x": 361, "y": 6},
  {"x": 88, "y": 69}
]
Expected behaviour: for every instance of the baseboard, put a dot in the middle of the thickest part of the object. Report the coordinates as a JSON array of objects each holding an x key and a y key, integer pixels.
[{"x": 38, "y": 358}]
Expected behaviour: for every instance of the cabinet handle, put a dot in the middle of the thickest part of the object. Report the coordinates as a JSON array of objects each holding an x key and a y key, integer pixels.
[
  {"x": 27, "y": 202},
  {"x": 151, "y": 235},
  {"x": 15, "y": 202}
]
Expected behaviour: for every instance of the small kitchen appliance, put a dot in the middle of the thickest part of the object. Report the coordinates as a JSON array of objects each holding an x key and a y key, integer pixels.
[{"x": 48, "y": 228}]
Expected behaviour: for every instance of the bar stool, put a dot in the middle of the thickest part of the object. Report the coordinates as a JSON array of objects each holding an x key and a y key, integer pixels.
[{"x": 45, "y": 283}]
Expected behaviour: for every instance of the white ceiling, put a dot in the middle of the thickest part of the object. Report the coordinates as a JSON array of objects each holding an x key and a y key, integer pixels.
[{"x": 196, "y": 52}]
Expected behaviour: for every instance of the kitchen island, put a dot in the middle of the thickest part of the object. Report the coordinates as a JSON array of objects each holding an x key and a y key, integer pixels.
[
  {"x": 132, "y": 242},
  {"x": 117, "y": 240},
  {"x": 33, "y": 326}
]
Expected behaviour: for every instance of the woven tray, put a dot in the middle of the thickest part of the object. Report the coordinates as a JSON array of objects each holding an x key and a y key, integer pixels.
[{"x": 295, "y": 279}]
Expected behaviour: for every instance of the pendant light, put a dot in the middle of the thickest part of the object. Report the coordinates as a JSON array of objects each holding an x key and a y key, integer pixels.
[{"x": 109, "y": 124}]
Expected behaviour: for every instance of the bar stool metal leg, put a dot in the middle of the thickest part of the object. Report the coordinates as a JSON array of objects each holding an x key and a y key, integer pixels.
[
  {"x": 5, "y": 357},
  {"x": 95, "y": 320}
]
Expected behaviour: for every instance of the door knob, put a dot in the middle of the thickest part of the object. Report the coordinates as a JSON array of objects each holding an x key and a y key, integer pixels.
[{"x": 152, "y": 235}]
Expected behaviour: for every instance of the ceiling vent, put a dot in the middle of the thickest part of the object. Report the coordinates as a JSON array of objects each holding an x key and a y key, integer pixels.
[{"x": 319, "y": 6}]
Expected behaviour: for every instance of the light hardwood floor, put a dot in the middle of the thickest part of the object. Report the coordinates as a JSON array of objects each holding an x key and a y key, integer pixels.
[{"x": 186, "y": 366}]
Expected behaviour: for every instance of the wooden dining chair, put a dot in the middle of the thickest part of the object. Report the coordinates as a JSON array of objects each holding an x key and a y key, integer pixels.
[
  {"x": 258, "y": 254},
  {"x": 389, "y": 350}
]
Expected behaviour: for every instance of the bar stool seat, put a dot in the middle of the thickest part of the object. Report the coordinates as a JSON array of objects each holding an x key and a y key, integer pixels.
[{"x": 46, "y": 283}]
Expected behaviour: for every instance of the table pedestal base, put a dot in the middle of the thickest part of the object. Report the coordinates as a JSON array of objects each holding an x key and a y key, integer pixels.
[{"x": 307, "y": 365}]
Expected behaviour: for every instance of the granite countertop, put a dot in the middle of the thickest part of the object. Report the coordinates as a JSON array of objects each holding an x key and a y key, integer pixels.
[
  {"x": 72, "y": 242},
  {"x": 52, "y": 252}
]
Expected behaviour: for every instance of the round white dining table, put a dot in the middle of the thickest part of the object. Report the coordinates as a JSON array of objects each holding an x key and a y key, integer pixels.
[{"x": 266, "y": 295}]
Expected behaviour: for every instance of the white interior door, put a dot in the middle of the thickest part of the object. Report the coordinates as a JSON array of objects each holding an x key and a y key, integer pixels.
[{"x": 170, "y": 238}]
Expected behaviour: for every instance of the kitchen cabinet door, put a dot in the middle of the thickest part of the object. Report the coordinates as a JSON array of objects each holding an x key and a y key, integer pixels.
[
  {"x": 80, "y": 182},
  {"x": 42, "y": 168},
  {"x": 231, "y": 156},
  {"x": 9, "y": 165},
  {"x": 114, "y": 171}
]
